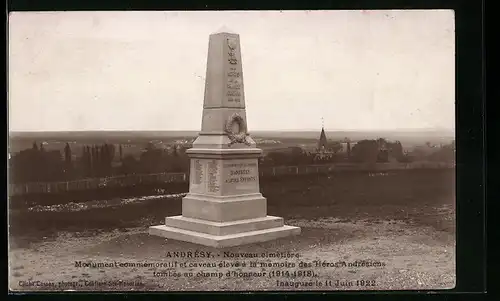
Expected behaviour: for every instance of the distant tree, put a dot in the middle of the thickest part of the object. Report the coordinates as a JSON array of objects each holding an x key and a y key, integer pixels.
[
  {"x": 88, "y": 161},
  {"x": 295, "y": 151},
  {"x": 93, "y": 161},
  {"x": 150, "y": 146},
  {"x": 277, "y": 158},
  {"x": 111, "y": 152},
  {"x": 121, "y": 153},
  {"x": 103, "y": 160},
  {"x": 129, "y": 165},
  {"x": 175, "y": 161},
  {"x": 83, "y": 165},
  {"x": 109, "y": 155},
  {"x": 334, "y": 146},
  {"x": 182, "y": 159},
  {"x": 33, "y": 165},
  {"x": 181, "y": 150},
  {"x": 151, "y": 159},
  {"x": 19, "y": 166},
  {"x": 381, "y": 142},
  {"x": 424, "y": 153},
  {"x": 366, "y": 151},
  {"x": 383, "y": 156},
  {"x": 406, "y": 158},
  {"x": 42, "y": 164},
  {"x": 67, "y": 154},
  {"x": 396, "y": 150},
  {"x": 347, "y": 141},
  {"x": 444, "y": 154},
  {"x": 54, "y": 166},
  {"x": 288, "y": 155},
  {"x": 34, "y": 158},
  {"x": 97, "y": 160},
  {"x": 175, "y": 152},
  {"x": 68, "y": 164}
]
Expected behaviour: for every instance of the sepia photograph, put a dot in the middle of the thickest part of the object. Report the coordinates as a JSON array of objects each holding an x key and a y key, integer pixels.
[{"x": 231, "y": 151}]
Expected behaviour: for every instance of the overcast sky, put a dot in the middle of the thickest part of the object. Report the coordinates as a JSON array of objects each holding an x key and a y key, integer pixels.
[{"x": 145, "y": 70}]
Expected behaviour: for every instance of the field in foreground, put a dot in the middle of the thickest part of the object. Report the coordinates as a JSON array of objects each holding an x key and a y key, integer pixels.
[{"x": 404, "y": 220}]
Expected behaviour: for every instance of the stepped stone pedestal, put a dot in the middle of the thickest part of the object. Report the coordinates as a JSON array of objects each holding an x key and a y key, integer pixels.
[{"x": 224, "y": 206}]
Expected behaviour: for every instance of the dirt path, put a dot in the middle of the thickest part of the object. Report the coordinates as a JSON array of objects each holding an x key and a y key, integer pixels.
[{"x": 409, "y": 257}]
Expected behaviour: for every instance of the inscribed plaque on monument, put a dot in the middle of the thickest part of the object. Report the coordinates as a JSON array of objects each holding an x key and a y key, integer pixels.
[
  {"x": 241, "y": 176},
  {"x": 198, "y": 171},
  {"x": 213, "y": 177}
]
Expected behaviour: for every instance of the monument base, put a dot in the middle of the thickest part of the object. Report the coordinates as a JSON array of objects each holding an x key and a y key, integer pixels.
[{"x": 224, "y": 234}]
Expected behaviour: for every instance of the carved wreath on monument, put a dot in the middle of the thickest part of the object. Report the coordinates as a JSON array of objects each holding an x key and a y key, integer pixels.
[{"x": 236, "y": 129}]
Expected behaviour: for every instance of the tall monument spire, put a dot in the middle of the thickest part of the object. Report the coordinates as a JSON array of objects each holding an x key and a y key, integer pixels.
[
  {"x": 224, "y": 206},
  {"x": 224, "y": 100}
]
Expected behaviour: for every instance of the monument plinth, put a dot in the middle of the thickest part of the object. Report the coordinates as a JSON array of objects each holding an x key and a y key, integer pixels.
[{"x": 224, "y": 206}]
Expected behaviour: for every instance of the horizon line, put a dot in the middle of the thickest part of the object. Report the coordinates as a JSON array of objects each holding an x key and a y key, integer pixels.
[{"x": 262, "y": 130}]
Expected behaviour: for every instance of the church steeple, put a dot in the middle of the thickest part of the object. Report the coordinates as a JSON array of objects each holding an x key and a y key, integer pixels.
[{"x": 322, "y": 138}]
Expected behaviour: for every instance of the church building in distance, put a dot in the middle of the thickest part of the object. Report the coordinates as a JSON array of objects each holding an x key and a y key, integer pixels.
[{"x": 325, "y": 149}]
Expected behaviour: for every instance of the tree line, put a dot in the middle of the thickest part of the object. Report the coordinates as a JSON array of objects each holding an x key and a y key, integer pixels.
[
  {"x": 364, "y": 151},
  {"x": 36, "y": 164}
]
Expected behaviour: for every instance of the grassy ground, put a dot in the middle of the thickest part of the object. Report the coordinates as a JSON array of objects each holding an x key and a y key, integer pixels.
[{"x": 404, "y": 220}]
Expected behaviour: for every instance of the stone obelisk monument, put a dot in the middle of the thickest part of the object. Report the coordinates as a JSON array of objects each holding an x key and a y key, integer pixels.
[{"x": 224, "y": 206}]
